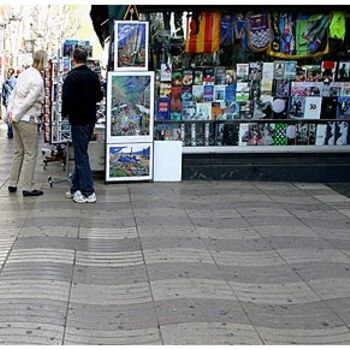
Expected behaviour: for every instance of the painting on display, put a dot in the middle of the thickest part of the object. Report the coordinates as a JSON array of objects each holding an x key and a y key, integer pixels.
[
  {"x": 130, "y": 104},
  {"x": 131, "y": 45},
  {"x": 129, "y": 162}
]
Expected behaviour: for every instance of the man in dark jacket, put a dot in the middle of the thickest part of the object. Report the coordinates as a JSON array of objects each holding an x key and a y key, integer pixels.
[{"x": 81, "y": 92}]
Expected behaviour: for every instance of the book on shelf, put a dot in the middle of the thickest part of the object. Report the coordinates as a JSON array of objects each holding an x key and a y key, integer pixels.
[{"x": 312, "y": 109}]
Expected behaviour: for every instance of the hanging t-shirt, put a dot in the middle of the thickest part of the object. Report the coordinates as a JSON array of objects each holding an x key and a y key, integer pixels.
[{"x": 337, "y": 28}]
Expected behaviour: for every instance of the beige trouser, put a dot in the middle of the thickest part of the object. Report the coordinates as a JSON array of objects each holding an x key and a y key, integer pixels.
[{"x": 26, "y": 152}]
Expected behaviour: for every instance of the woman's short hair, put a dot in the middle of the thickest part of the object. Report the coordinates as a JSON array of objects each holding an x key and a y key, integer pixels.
[
  {"x": 80, "y": 54},
  {"x": 40, "y": 60}
]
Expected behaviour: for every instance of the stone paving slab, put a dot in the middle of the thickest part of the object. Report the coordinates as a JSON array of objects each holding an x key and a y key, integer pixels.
[{"x": 197, "y": 262}]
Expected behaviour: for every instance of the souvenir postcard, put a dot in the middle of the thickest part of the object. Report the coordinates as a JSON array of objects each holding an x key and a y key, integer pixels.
[
  {"x": 131, "y": 45},
  {"x": 219, "y": 92},
  {"x": 129, "y": 162},
  {"x": 176, "y": 77},
  {"x": 281, "y": 88},
  {"x": 335, "y": 89},
  {"x": 266, "y": 133},
  {"x": 312, "y": 134},
  {"x": 345, "y": 89},
  {"x": 296, "y": 108},
  {"x": 290, "y": 70},
  {"x": 165, "y": 90},
  {"x": 313, "y": 73},
  {"x": 342, "y": 133},
  {"x": 343, "y": 73},
  {"x": 343, "y": 110},
  {"x": 230, "y": 76},
  {"x": 312, "y": 88},
  {"x": 165, "y": 72},
  {"x": 263, "y": 107},
  {"x": 302, "y": 137},
  {"x": 329, "y": 107},
  {"x": 243, "y": 134},
  {"x": 230, "y": 92},
  {"x": 266, "y": 86},
  {"x": 186, "y": 93},
  {"x": 246, "y": 109},
  {"x": 242, "y": 91},
  {"x": 255, "y": 70},
  {"x": 204, "y": 111},
  {"x": 280, "y": 108},
  {"x": 301, "y": 73},
  {"x": 198, "y": 92},
  {"x": 312, "y": 109},
  {"x": 325, "y": 134},
  {"x": 189, "y": 110},
  {"x": 130, "y": 109},
  {"x": 267, "y": 73},
  {"x": 208, "y": 93},
  {"x": 242, "y": 72},
  {"x": 291, "y": 134},
  {"x": 253, "y": 134},
  {"x": 278, "y": 69},
  {"x": 220, "y": 75},
  {"x": 328, "y": 69},
  {"x": 176, "y": 101},
  {"x": 163, "y": 108},
  {"x": 187, "y": 79},
  {"x": 208, "y": 76},
  {"x": 198, "y": 77},
  {"x": 218, "y": 109}
]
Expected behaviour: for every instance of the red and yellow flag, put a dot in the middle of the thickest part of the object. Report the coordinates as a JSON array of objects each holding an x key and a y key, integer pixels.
[{"x": 207, "y": 37}]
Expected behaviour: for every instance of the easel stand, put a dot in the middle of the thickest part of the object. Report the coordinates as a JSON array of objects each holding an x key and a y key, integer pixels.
[{"x": 55, "y": 180}]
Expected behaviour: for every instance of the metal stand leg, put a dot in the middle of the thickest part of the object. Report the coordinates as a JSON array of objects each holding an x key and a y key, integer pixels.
[{"x": 54, "y": 180}]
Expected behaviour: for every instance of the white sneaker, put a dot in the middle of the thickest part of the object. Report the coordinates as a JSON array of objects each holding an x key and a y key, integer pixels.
[
  {"x": 70, "y": 195},
  {"x": 79, "y": 198}
]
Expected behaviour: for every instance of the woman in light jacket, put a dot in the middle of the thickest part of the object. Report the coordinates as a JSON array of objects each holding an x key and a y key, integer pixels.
[{"x": 24, "y": 110}]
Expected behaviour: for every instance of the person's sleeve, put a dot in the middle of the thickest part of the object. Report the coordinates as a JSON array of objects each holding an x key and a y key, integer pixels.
[
  {"x": 11, "y": 99},
  {"x": 34, "y": 95},
  {"x": 99, "y": 94},
  {"x": 68, "y": 96}
]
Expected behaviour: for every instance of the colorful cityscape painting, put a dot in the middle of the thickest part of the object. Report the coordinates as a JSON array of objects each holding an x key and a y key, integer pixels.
[
  {"x": 131, "y": 51},
  {"x": 130, "y": 107},
  {"x": 129, "y": 162}
]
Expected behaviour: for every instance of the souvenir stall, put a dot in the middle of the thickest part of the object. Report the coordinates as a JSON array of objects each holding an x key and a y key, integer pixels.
[{"x": 252, "y": 87}]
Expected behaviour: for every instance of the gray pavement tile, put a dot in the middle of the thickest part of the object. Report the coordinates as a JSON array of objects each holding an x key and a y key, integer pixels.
[
  {"x": 110, "y": 294},
  {"x": 179, "y": 311},
  {"x": 272, "y": 220},
  {"x": 49, "y": 231},
  {"x": 112, "y": 317},
  {"x": 264, "y": 211},
  {"x": 37, "y": 271},
  {"x": 274, "y": 293},
  {"x": 229, "y": 259},
  {"x": 111, "y": 223},
  {"x": 220, "y": 223},
  {"x": 52, "y": 221},
  {"x": 163, "y": 271},
  {"x": 175, "y": 255},
  {"x": 30, "y": 333},
  {"x": 109, "y": 206},
  {"x": 312, "y": 315},
  {"x": 108, "y": 245},
  {"x": 278, "y": 242},
  {"x": 107, "y": 275},
  {"x": 115, "y": 259},
  {"x": 172, "y": 242},
  {"x": 318, "y": 214},
  {"x": 209, "y": 333},
  {"x": 45, "y": 243},
  {"x": 107, "y": 214},
  {"x": 331, "y": 288},
  {"x": 227, "y": 233},
  {"x": 218, "y": 213},
  {"x": 162, "y": 221},
  {"x": 331, "y": 224},
  {"x": 175, "y": 230},
  {"x": 240, "y": 245},
  {"x": 341, "y": 306},
  {"x": 322, "y": 270},
  {"x": 148, "y": 336},
  {"x": 334, "y": 336},
  {"x": 183, "y": 288},
  {"x": 66, "y": 213},
  {"x": 261, "y": 274},
  {"x": 52, "y": 290},
  {"x": 333, "y": 233},
  {"x": 154, "y": 204},
  {"x": 300, "y": 230},
  {"x": 305, "y": 255},
  {"x": 160, "y": 212},
  {"x": 305, "y": 200},
  {"x": 332, "y": 198},
  {"x": 115, "y": 233}
]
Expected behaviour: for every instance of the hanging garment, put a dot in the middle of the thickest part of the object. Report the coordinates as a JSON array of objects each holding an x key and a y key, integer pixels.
[
  {"x": 337, "y": 28},
  {"x": 258, "y": 32},
  {"x": 204, "y": 34},
  {"x": 312, "y": 35}
]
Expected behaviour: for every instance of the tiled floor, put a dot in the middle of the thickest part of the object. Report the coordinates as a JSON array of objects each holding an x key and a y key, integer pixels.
[{"x": 187, "y": 263}]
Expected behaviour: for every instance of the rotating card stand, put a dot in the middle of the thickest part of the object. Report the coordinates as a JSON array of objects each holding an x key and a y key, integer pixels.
[{"x": 68, "y": 178}]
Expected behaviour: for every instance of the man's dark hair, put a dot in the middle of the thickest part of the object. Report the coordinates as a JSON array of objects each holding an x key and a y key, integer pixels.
[{"x": 80, "y": 54}]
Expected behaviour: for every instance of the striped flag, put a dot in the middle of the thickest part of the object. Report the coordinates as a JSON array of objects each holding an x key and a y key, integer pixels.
[{"x": 205, "y": 38}]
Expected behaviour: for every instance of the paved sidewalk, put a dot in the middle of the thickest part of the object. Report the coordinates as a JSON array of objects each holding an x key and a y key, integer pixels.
[{"x": 188, "y": 263}]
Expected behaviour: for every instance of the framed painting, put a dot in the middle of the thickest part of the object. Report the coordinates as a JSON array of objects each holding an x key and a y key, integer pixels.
[
  {"x": 129, "y": 162},
  {"x": 130, "y": 107},
  {"x": 131, "y": 45}
]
